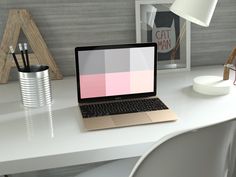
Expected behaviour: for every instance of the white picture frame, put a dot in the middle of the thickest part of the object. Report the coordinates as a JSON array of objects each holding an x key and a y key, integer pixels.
[{"x": 154, "y": 22}]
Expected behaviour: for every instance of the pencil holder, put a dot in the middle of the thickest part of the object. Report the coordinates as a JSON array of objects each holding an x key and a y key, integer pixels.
[{"x": 35, "y": 86}]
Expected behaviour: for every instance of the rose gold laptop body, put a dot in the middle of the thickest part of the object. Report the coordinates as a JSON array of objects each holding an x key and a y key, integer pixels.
[{"x": 127, "y": 119}]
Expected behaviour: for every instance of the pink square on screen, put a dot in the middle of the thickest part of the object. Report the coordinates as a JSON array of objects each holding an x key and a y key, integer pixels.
[
  {"x": 117, "y": 83},
  {"x": 92, "y": 85},
  {"x": 142, "y": 81}
]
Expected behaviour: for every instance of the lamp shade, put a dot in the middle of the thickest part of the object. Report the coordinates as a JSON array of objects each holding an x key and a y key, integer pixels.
[{"x": 196, "y": 11}]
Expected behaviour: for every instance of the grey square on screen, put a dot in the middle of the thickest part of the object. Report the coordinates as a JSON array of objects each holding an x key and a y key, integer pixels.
[
  {"x": 142, "y": 59},
  {"x": 117, "y": 60},
  {"x": 92, "y": 62}
]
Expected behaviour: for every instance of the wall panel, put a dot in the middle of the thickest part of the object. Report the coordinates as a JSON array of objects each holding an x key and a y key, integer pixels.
[{"x": 65, "y": 24}]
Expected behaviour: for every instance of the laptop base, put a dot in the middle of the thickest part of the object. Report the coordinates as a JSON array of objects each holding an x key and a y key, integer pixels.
[{"x": 130, "y": 119}]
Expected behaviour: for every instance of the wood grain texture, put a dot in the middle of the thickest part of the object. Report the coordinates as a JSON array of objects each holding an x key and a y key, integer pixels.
[
  {"x": 37, "y": 43},
  {"x": 230, "y": 60},
  {"x": 10, "y": 37},
  {"x": 69, "y": 23},
  {"x": 66, "y": 24},
  {"x": 21, "y": 19}
]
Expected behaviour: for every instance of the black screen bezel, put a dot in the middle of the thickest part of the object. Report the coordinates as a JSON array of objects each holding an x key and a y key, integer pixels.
[{"x": 117, "y": 97}]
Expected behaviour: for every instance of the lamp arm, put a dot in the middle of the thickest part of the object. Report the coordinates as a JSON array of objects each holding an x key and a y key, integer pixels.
[{"x": 228, "y": 64}]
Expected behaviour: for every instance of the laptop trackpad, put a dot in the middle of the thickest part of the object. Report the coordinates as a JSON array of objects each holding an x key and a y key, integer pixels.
[
  {"x": 162, "y": 115},
  {"x": 99, "y": 123},
  {"x": 131, "y": 119}
]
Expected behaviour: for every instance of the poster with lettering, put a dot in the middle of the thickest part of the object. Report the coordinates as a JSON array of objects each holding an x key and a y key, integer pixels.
[
  {"x": 156, "y": 23},
  {"x": 165, "y": 32}
]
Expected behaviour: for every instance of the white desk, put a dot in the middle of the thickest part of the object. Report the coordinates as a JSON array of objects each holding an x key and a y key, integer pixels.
[{"x": 44, "y": 138}]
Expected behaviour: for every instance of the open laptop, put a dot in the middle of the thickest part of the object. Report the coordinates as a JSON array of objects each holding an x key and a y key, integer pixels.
[{"x": 116, "y": 86}]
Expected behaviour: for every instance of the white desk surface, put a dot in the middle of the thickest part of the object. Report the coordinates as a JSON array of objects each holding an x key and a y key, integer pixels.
[{"x": 54, "y": 136}]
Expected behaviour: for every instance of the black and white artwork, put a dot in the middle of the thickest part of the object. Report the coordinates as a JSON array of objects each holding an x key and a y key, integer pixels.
[
  {"x": 156, "y": 23},
  {"x": 165, "y": 33}
]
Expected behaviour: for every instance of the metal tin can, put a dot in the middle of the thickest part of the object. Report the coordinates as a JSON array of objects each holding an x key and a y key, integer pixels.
[{"x": 35, "y": 86}]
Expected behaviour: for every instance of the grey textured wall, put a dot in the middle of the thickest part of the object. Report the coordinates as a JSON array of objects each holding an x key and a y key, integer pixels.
[
  {"x": 65, "y": 24},
  {"x": 213, "y": 45}
]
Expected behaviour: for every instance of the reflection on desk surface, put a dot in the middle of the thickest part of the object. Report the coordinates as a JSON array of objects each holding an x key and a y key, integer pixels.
[
  {"x": 31, "y": 126},
  {"x": 49, "y": 138}
]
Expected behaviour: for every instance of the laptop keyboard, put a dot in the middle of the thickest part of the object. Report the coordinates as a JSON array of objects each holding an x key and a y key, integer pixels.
[{"x": 122, "y": 107}]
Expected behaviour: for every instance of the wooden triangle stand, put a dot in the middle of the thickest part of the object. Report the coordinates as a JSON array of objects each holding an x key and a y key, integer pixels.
[{"x": 21, "y": 19}]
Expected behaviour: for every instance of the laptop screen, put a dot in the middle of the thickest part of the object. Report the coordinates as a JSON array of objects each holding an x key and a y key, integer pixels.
[{"x": 114, "y": 71}]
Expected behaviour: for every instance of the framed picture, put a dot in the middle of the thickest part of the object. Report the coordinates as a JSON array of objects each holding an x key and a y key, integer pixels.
[{"x": 156, "y": 23}]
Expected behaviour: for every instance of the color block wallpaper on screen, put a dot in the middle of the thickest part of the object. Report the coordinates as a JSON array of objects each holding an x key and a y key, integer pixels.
[{"x": 113, "y": 72}]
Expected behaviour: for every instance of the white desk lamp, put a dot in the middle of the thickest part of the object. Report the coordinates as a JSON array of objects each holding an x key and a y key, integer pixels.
[{"x": 200, "y": 12}]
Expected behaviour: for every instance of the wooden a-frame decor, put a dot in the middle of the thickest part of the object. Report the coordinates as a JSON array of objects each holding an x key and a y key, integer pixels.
[{"x": 21, "y": 19}]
